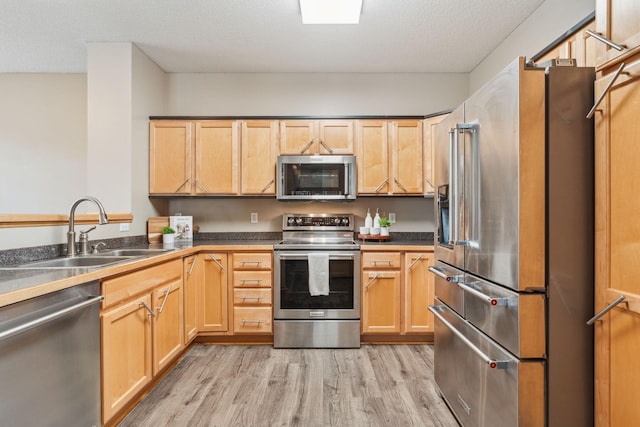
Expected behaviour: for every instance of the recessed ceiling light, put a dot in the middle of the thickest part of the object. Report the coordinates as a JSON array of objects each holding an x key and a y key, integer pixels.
[{"x": 330, "y": 11}]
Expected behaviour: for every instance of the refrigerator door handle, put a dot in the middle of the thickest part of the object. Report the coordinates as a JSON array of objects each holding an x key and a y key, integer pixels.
[
  {"x": 454, "y": 175},
  {"x": 438, "y": 271},
  {"x": 494, "y": 302},
  {"x": 492, "y": 363}
]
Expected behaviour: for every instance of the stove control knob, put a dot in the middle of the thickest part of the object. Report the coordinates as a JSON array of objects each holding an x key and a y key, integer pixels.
[
  {"x": 345, "y": 221},
  {"x": 298, "y": 220},
  {"x": 290, "y": 221}
]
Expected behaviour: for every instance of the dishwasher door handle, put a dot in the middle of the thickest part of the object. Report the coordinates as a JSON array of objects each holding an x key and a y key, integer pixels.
[{"x": 48, "y": 318}]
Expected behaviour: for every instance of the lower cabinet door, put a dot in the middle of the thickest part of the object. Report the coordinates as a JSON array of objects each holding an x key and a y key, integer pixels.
[
  {"x": 168, "y": 325},
  {"x": 126, "y": 354}
]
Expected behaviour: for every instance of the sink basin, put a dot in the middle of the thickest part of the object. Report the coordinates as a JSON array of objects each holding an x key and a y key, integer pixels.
[
  {"x": 75, "y": 262},
  {"x": 132, "y": 252}
]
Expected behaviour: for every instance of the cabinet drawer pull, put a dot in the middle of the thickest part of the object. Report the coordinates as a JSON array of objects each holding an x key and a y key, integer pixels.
[
  {"x": 164, "y": 300},
  {"x": 216, "y": 261},
  {"x": 193, "y": 264},
  {"x": 251, "y": 321},
  {"x": 605, "y": 310},
  {"x": 182, "y": 185},
  {"x": 257, "y": 263},
  {"x": 388, "y": 261},
  {"x": 255, "y": 298},
  {"x": 601, "y": 38},
  {"x": 243, "y": 281},
  {"x": 381, "y": 184},
  {"x": 146, "y": 307},
  {"x": 606, "y": 89}
]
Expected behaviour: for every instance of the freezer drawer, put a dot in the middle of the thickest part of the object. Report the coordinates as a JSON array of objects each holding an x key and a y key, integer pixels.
[
  {"x": 483, "y": 384},
  {"x": 515, "y": 320}
]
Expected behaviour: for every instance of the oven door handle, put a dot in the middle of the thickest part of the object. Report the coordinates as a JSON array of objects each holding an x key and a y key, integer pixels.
[
  {"x": 492, "y": 363},
  {"x": 286, "y": 256}
]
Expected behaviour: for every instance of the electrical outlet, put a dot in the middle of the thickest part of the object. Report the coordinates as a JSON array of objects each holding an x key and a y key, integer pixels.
[
  {"x": 254, "y": 217},
  {"x": 392, "y": 217},
  {"x": 124, "y": 227}
]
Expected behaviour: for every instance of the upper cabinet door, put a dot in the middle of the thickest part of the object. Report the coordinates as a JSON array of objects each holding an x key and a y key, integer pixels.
[
  {"x": 217, "y": 157},
  {"x": 617, "y": 20},
  {"x": 429, "y": 135},
  {"x": 406, "y": 156},
  {"x": 170, "y": 160},
  {"x": 316, "y": 137},
  {"x": 335, "y": 137},
  {"x": 372, "y": 157},
  {"x": 259, "y": 153}
]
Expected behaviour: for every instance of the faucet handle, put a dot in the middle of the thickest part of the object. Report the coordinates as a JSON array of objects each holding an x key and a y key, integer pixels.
[
  {"x": 96, "y": 248},
  {"x": 84, "y": 233}
]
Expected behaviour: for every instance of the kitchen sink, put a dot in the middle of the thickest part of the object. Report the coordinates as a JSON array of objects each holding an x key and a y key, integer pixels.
[
  {"x": 75, "y": 262},
  {"x": 131, "y": 252}
]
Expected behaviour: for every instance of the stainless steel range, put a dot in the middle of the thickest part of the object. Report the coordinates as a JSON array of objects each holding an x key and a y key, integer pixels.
[{"x": 317, "y": 283}]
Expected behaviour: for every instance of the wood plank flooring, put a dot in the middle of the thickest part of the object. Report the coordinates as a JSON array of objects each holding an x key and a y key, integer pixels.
[{"x": 376, "y": 385}]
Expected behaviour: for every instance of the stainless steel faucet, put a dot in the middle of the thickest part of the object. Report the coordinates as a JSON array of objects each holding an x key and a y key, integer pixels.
[{"x": 71, "y": 234}]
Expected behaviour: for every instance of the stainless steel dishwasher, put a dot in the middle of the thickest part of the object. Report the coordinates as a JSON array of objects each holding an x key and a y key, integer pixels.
[{"x": 50, "y": 359}]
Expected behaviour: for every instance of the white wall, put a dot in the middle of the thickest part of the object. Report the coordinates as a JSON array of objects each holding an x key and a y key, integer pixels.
[{"x": 550, "y": 21}]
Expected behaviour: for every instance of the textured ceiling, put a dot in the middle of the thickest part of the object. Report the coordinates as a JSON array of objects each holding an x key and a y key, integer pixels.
[{"x": 258, "y": 35}]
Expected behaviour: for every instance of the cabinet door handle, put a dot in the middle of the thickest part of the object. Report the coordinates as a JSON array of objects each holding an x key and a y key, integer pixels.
[
  {"x": 402, "y": 187},
  {"x": 605, "y": 310},
  {"x": 216, "y": 261},
  {"x": 430, "y": 183},
  {"x": 193, "y": 264},
  {"x": 182, "y": 185},
  {"x": 606, "y": 89},
  {"x": 372, "y": 280},
  {"x": 415, "y": 261},
  {"x": 268, "y": 185},
  {"x": 202, "y": 186},
  {"x": 601, "y": 38},
  {"x": 164, "y": 300},
  {"x": 146, "y": 307},
  {"x": 306, "y": 147},
  {"x": 326, "y": 147},
  {"x": 381, "y": 184}
]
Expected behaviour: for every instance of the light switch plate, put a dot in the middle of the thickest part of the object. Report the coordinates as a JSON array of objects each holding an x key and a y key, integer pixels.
[
  {"x": 124, "y": 227},
  {"x": 254, "y": 217},
  {"x": 392, "y": 217}
]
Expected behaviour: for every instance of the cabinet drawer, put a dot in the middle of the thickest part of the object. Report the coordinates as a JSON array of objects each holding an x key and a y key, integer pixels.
[
  {"x": 252, "y": 279},
  {"x": 252, "y": 261},
  {"x": 381, "y": 260},
  {"x": 252, "y": 296},
  {"x": 123, "y": 287},
  {"x": 252, "y": 320}
]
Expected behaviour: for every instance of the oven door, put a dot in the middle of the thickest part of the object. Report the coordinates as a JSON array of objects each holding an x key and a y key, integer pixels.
[{"x": 292, "y": 299}]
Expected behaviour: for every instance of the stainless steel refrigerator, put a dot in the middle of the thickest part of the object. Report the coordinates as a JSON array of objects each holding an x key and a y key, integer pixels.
[{"x": 514, "y": 250}]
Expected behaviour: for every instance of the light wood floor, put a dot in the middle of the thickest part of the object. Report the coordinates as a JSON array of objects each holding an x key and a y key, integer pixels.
[{"x": 376, "y": 385}]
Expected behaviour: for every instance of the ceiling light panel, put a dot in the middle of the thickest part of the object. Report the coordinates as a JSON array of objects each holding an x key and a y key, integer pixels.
[{"x": 330, "y": 11}]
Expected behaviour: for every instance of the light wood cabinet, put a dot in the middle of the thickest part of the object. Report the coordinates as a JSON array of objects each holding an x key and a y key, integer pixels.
[
  {"x": 193, "y": 157},
  {"x": 617, "y": 20},
  {"x": 390, "y": 157},
  {"x": 316, "y": 136},
  {"x": 192, "y": 276},
  {"x": 617, "y": 233},
  {"x": 252, "y": 293},
  {"x": 429, "y": 138},
  {"x": 396, "y": 290},
  {"x": 213, "y": 307},
  {"x": 578, "y": 46},
  {"x": 418, "y": 293},
  {"x": 142, "y": 330},
  {"x": 258, "y": 157}
]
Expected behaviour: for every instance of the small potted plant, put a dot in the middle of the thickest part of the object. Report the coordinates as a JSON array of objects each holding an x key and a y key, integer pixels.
[
  {"x": 168, "y": 235},
  {"x": 384, "y": 226}
]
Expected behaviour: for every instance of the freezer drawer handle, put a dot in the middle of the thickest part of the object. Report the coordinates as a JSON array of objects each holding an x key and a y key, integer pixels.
[
  {"x": 495, "y": 302},
  {"x": 49, "y": 317},
  {"x": 492, "y": 363},
  {"x": 605, "y": 310},
  {"x": 441, "y": 274}
]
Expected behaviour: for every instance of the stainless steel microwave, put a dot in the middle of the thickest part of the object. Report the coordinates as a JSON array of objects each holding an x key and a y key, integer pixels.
[{"x": 316, "y": 177}]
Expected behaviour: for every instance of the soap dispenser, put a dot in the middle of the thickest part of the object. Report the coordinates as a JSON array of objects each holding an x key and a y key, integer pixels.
[
  {"x": 376, "y": 220},
  {"x": 368, "y": 222}
]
